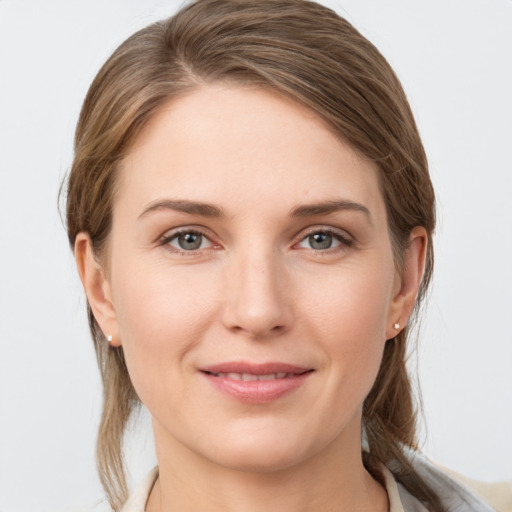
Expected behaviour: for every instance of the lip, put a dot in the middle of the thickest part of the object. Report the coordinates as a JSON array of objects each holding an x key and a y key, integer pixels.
[{"x": 289, "y": 379}]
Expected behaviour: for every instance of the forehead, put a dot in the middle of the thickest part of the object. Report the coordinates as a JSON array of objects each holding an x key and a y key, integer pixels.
[{"x": 241, "y": 146}]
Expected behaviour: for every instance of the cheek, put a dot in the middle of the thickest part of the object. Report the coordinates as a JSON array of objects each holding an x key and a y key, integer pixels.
[
  {"x": 161, "y": 316},
  {"x": 352, "y": 303},
  {"x": 349, "y": 316}
]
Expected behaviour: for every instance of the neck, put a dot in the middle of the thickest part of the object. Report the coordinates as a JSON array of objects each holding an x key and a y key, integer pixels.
[{"x": 332, "y": 480}]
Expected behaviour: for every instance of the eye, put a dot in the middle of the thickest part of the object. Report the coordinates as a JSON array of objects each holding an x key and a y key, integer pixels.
[
  {"x": 323, "y": 240},
  {"x": 188, "y": 241}
]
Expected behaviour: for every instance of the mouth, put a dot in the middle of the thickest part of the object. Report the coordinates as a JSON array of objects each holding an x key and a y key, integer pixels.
[
  {"x": 251, "y": 377},
  {"x": 256, "y": 383}
]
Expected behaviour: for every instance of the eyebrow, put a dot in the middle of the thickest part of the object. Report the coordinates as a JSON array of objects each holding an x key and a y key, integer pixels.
[
  {"x": 326, "y": 207},
  {"x": 192, "y": 207},
  {"x": 212, "y": 211}
]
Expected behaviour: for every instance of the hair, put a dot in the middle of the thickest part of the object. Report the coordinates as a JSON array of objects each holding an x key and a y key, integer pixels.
[{"x": 308, "y": 53}]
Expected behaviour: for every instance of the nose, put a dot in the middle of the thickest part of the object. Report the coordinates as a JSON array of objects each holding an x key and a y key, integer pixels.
[{"x": 257, "y": 296}]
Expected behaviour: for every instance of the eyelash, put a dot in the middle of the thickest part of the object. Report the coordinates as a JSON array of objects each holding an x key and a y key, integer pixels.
[
  {"x": 344, "y": 241},
  {"x": 167, "y": 239}
]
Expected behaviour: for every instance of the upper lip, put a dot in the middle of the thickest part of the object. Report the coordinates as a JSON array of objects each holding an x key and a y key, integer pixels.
[{"x": 254, "y": 368}]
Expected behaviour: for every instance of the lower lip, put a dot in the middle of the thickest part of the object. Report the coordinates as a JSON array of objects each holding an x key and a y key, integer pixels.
[{"x": 257, "y": 391}]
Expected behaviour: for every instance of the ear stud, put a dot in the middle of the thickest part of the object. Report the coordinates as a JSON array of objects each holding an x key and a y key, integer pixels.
[
  {"x": 109, "y": 338},
  {"x": 396, "y": 326}
]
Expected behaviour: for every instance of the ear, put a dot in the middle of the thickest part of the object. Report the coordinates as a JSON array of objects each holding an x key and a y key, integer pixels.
[
  {"x": 408, "y": 282},
  {"x": 97, "y": 287}
]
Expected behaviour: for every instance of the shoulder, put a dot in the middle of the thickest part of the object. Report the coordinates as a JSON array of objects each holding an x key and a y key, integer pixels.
[
  {"x": 458, "y": 494},
  {"x": 497, "y": 494}
]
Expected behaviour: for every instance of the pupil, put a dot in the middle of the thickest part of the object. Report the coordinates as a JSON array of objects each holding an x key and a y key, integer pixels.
[
  {"x": 320, "y": 241},
  {"x": 189, "y": 241}
]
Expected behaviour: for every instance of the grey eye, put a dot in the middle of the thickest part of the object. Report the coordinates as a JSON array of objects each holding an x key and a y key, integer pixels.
[
  {"x": 320, "y": 241},
  {"x": 189, "y": 241}
]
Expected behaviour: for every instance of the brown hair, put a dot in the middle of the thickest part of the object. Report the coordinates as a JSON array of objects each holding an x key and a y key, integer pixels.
[{"x": 302, "y": 50}]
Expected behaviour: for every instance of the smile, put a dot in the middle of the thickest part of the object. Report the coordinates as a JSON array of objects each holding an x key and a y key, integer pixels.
[
  {"x": 256, "y": 383},
  {"x": 248, "y": 377}
]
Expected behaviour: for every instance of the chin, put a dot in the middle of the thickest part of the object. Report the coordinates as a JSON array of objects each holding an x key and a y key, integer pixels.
[
  {"x": 260, "y": 451},
  {"x": 258, "y": 459}
]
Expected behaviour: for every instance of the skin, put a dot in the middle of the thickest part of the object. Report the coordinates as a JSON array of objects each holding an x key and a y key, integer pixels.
[{"x": 258, "y": 289}]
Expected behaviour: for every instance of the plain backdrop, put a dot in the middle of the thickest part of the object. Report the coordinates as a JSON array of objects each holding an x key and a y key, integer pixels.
[{"x": 454, "y": 58}]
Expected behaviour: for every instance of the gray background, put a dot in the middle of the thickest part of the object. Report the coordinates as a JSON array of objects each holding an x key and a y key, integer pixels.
[{"x": 454, "y": 59}]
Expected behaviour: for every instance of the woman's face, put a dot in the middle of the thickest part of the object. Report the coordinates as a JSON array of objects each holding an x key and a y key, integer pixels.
[{"x": 251, "y": 280}]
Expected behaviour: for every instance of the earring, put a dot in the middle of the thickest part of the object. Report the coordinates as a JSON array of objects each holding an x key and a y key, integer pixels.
[
  {"x": 109, "y": 338},
  {"x": 396, "y": 326}
]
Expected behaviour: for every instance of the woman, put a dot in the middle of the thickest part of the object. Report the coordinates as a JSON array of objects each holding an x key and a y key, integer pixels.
[{"x": 252, "y": 216}]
